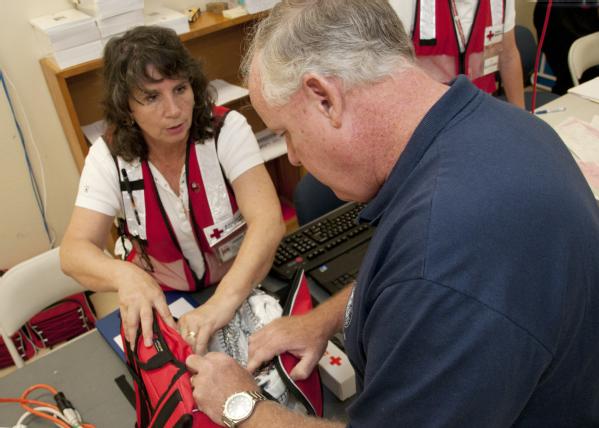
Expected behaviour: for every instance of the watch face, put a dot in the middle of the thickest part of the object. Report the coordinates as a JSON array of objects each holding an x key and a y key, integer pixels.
[{"x": 239, "y": 407}]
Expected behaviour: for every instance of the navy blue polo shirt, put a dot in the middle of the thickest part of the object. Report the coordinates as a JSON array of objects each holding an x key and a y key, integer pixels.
[{"x": 477, "y": 304}]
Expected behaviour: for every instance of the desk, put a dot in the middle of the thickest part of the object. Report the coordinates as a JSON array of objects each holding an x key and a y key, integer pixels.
[
  {"x": 85, "y": 369},
  {"x": 576, "y": 106}
]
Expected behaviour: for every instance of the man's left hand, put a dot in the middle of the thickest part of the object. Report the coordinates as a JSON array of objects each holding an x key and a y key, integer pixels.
[{"x": 220, "y": 377}]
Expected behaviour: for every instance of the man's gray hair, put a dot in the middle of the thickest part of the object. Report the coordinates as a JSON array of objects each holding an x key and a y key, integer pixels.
[{"x": 357, "y": 41}]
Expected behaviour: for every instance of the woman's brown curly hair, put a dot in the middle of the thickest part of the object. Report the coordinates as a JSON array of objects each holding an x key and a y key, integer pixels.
[{"x": 126, "y": 61}]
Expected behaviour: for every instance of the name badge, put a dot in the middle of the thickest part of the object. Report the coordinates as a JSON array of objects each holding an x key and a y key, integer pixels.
[
  {"x": 220, "y": 231},
  {"x": 493, "y": 47},
  {"x": 493, "y": 34},
  {"x": 227, "y": 250}
]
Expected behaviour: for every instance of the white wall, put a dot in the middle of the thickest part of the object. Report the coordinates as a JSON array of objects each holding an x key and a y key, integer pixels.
[{"x": 21, "y": 232}]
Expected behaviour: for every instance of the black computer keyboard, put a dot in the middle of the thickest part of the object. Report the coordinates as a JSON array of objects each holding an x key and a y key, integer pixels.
[{"x": 321, "y": 240}]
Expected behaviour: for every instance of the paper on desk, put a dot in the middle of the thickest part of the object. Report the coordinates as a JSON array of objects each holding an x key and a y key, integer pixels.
[
  {"x": 178, "y": 308},
  {"x": 94, "y": 130},
  {"x": 590, "y": 171},
  {"x": 271, "y": 145},
  {"x": 227, "y": 92},
  {"x": 588, "y": 90},
  {"x": 582, "y": 138}
]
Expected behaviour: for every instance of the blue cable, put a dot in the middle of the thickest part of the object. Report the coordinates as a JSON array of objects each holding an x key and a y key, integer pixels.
[{"x": 34, "y": 184}]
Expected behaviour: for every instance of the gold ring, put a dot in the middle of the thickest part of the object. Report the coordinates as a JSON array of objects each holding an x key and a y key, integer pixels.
[{"x": 191, "y": 334}]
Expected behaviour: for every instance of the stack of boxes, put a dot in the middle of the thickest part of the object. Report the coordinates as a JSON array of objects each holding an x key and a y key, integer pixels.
[
  {"x": 183, "y": 5},
  {"x": 114, "y": 17},
  {"x": 168, "y": 18},
  {"x": 71, "y": 36}
]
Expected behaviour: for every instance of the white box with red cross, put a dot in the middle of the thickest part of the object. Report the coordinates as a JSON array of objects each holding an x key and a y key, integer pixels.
[{"x": 336, "y": 372}]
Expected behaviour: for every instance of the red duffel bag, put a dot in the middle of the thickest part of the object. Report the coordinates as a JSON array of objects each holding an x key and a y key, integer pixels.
[{"x": 163, "y": 394}]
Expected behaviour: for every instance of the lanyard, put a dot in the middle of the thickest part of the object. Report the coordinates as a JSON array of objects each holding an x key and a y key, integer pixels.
[
  {"x": 458, "y": 23},
  {"x": 146, "y": 262}
]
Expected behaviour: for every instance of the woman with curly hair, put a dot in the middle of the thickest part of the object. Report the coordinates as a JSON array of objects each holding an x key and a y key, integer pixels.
[{"x": 187, "y": 185}]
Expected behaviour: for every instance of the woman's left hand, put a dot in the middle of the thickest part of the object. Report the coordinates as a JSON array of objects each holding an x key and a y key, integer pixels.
[{"x": 199, "y": 325}]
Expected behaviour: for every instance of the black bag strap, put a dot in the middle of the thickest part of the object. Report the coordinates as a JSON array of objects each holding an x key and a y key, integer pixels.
[
  {"x": 126, "y": 389},
  {"x": 143, "y": 401},
  {"x": 168, "y": 409}
]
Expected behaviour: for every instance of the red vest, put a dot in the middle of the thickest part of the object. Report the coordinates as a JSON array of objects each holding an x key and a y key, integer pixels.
[
  {"x": 155, "y": 245},
  {"x": 435, "y": 39}
]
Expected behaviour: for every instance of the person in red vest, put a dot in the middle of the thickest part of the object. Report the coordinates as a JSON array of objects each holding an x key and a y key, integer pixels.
[
  {"x": 186, "y": 183},
  {"x": 470, "y": 37}
]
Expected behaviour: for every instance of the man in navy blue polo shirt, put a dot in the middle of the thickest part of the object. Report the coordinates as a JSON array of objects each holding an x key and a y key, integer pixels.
[{"x": 476, "y": 304}]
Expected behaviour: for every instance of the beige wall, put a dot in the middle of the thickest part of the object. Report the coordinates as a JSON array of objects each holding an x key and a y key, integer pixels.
[
  {"x": 21, "y": 232},
  {"x": 524, "y": 11}
]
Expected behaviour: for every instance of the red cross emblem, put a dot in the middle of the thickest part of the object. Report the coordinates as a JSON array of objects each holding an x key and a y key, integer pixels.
[
  {"x": 335, "y": 361},
  {"x": 490, "y": 35},
  {"x": 216, "y": 233}
]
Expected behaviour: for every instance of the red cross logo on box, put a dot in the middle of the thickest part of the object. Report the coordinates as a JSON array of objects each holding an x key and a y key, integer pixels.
[{"x": 335, "y": 361}]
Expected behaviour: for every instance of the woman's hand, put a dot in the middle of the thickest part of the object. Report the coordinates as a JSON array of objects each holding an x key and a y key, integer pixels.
[
  {"x": 83, "y": 258},
  {"x": 199, "y": 325},
  {"x": 139, "y": 293}
]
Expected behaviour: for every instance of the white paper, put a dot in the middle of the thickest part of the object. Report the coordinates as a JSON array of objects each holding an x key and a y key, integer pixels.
[
  {"x": 120, "y": 23},
  {"x": 65, "y": 29},
  {"x": 119, "y": 341},
  {"x": 180, "y": 307},
  {"x": 105, "y": 8},
  {"x": 227, "y": 92},
  {"x": 169, "y": 18},
  {"x": 94, "y": 130},
  {"x": 255, "y": 6},
  {"x": 78, "y": 54},
  {"x": 588, "y": 90},
  {"x": 271, "y": 145},
  {"x": 582, "y": 138}
]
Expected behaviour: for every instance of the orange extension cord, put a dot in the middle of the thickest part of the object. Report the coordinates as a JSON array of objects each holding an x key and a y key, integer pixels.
[{"x": 25, "y": 402}]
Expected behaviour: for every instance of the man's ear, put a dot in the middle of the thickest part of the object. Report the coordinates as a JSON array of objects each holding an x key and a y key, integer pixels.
[{"x": 327, "y": 95}]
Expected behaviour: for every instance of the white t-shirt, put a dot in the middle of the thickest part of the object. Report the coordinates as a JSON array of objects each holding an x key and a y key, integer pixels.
[
  {"x": 406, "y": 10},
  {"x": 99, "y": 188}
]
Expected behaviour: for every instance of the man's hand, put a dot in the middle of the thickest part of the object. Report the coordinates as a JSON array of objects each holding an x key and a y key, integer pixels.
[
  {"x": 299, "y": 335},
  {"x": 304, "y": 336},
  {"x": 220, "y": 376}
]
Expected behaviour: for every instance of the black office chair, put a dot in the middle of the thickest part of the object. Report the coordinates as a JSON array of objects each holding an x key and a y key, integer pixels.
[
  {"x": 527, "y": 46},
  {"x": 313, "y": 199}
]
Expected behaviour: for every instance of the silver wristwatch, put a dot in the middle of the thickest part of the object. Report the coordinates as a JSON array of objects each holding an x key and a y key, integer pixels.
[{"x": 240, "y": 406}]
